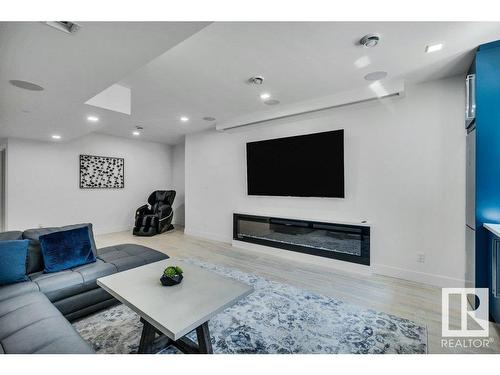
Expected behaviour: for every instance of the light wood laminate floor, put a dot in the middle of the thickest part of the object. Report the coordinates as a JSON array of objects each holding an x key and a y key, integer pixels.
[{"x": 418, "y": 302}]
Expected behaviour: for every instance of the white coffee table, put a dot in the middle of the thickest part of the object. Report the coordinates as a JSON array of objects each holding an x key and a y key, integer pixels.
[{"x": 174, "y": 311}]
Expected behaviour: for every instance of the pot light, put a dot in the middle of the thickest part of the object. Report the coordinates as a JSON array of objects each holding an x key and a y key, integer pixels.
[
  {"x": 56, "y": 136},
  {"x": 184, "y": 118},
  {"x": 434, "y": 47},
  {"x": 265, "y": 96},
  {"x": 137, "y": 131},
  {"x": 92, "y": 118}
]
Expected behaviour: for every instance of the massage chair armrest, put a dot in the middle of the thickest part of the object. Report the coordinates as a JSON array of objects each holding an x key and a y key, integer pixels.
[
  {"x": 142, "y": 210},
  {"x": 164, "y": 210}
]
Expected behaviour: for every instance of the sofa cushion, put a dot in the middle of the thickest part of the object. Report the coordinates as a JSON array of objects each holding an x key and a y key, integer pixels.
[
  {"x": 59, "y": 285},
  {"x": 13, "y": 255},
  {"x": 91, "y": 272},
  {"x": 23, "y": 310},
  {"x": 35, "y": 259},
  {"x": 29, "y": 323},
  {"x": 64, "y": 284},
  {"x": 13, "y": 290},
  {"x": 66, "y": 249},
  {"x": 126, "y": 256}
]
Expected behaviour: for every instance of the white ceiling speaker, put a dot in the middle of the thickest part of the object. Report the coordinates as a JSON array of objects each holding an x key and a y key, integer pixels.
[
  {"x": 272, "y": 102},
  {"x": 25, "y": 85},
  {"x": 369, "y": 40},
  {"x": 376, "y": 76},
  {"x": 256, "y": 80}
]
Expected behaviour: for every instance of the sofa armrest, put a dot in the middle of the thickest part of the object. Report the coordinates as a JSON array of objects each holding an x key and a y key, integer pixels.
[{"x": 11, "y": 235}]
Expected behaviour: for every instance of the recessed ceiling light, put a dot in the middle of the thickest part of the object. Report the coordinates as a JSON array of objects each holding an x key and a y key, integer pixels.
[
  {"x": 25, "y": 85},
  {"x": 92, "y": 118},
  {"x": 209, "y": 118},
  {"x": 434, "y": 47},
  {"x": 265, "y": 96},
  {"x": 137, "y": 131},
  {"x": 56, "y": 136},
  {"x": 184, "y": 119},
  {"x": 376, "y": 76}
]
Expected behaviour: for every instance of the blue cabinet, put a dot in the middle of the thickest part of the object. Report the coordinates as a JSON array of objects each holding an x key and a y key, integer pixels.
[{"x": 487, "y": 168}]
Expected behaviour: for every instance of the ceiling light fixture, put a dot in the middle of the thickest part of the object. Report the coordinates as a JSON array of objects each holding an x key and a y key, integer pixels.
[
  {"x": 434, "y": 47},
  {"x": 25, "y": 85},
  {"x": 376, "y": 76},
  {"x": 369, "y": 40},
  {"x": 56, "y": 136},
  {"x": 92, "y": 118},
  {"x": 209, "y": 118},
  {"x": 256, "y": 80},
  {"x": 184, "y": 118},
  {"x": 265, "y": 96},
  {"x": 137, "y": 131}
]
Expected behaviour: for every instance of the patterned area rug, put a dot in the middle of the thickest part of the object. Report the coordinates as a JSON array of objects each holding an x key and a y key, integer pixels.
[{"x": 275, "y": 318}]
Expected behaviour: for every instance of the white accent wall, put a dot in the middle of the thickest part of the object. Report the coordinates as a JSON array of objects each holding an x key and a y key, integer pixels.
[
  {"x": 43, "y": 182},
  {"x": 404, "y": 169}
]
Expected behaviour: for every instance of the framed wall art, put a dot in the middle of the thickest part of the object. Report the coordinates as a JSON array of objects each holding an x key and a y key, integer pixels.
[{"x": 101, "y": 172}]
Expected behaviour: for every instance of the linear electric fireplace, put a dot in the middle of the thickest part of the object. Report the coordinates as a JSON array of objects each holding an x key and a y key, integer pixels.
[{"x": 346, "y": 242}]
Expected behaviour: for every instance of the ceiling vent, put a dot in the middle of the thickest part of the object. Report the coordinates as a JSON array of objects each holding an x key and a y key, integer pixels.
[{"x": 64, "y": 26}]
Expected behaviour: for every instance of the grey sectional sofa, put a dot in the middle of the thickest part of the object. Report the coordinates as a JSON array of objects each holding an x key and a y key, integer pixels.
[{"x": 35, "y": 315}]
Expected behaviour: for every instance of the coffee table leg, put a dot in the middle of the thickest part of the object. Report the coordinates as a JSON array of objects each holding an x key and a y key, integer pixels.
[
  {"x": 147, "y": 338},
  {"x": 203, "y": 335}
]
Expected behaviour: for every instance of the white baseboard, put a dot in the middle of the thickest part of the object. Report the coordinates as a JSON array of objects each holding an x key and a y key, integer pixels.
[
  {"x": 304, "y": 258},
  {"x": 419, "y": 277}
]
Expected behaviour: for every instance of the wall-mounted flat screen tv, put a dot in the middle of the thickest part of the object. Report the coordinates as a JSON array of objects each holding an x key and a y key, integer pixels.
[{"x": 309, "y": 165}]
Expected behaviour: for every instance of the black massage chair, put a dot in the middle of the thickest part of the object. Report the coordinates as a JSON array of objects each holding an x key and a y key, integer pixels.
[{"x": 156, "y": 216}]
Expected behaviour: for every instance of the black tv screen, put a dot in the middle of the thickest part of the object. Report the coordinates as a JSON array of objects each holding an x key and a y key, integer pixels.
[{"x": 309, "y": 165}]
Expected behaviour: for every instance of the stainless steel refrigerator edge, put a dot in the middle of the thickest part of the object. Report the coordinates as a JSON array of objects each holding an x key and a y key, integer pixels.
[{"x": 470, "y": 205}]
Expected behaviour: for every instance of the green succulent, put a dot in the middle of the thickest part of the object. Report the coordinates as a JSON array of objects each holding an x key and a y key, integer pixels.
[{"x": 172, "y": 271}]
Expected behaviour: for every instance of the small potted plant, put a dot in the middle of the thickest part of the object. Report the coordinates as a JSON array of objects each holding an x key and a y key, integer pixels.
[{"x": 172, "y": 275}]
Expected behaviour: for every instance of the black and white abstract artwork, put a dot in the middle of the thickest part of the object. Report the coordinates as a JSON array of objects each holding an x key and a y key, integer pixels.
[{"x": 101, "y": 172}]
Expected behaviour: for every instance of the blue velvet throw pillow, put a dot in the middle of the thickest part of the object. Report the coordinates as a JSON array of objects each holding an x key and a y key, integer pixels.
[
  {"x": 13, "y": 255},
  {"x": 66, "y": 249}
]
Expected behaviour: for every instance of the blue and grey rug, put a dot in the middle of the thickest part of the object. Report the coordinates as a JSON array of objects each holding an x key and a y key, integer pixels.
[{"x": 275, "y": 318}]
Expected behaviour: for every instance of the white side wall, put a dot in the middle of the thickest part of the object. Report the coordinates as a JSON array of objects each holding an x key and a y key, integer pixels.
[
  {"x": 405, "y": 173},
  {"x": 43, "y": 182},
  {"x": 178, "y": 168}
]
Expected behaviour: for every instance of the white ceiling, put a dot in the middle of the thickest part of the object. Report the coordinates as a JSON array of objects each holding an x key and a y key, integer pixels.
[{"x": 196, "y": 70}]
